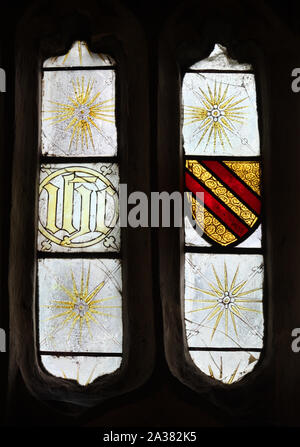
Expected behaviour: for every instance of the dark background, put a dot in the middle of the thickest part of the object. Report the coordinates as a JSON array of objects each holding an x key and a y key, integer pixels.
[{"x": 163, "y": 400}]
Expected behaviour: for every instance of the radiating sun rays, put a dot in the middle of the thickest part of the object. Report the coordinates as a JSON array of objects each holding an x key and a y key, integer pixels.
[
  {"x": 78, "y": 308},
  {"x": 228, "y": 378},
  {"x": 78, "y": 379},
  {"x": 220, "y": 375},
  {"x": 80, "y": 47},
  {"x": 82, "y": 113},
  {"x": 226, "y": 301},
  {"x": 216, "y": 116}
]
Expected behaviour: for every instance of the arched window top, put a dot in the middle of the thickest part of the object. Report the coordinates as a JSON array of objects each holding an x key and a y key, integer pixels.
[
  {"x": 79, "y": 300},
  {"x": 220, "y": 110},
  {"x": 78, "y": 104},
  {"x": 79, "y": 55},
  {"x": 79, "y": 133},
  {"x": 219, "y": 60}
]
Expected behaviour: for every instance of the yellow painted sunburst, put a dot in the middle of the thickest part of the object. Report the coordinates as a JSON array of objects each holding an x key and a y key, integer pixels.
[
  {"x": 81, "y": 307},
  {"x": 226, "y": 300},
  {"x": 216, "y": 116},
  {"x": 82, "y": 113}
]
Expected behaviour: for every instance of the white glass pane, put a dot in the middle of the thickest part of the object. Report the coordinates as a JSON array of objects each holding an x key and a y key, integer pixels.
[
  {"x": 80, "y": 306},
  {"x": 228, "y": 367},
  {"x": 82, "y": 369},
  {"x": 220, "y": 114},
  {"x": 223, "y": 300},
  {"x": 79, "y": 55},
  {"x": 219, "y": 60},
  {"x": 78, "y": 113},
  {"x": 78, "y": 208},
  {"x": 253, "y": 241}
]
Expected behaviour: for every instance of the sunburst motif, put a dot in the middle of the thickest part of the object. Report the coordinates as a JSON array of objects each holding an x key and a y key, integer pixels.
[
  {"x": 226, "y": 300},
  {"x": 216, "y": 116},
  {"x": 81, "y": 307},
  {"x": 82, "y": 112}
]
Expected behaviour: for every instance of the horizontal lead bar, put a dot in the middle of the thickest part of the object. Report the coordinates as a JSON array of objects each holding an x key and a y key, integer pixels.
[
  {"x": 79, "y": 255},
  {"x": 44, "y": 159},
  {"x": 191, "y": 70},
  {"x": 89, "y": 67},
  {"x": 223, "y": 157},
  {"x": 221, "y": 250},
  {"x": 225, "y": 349},
  {"x": 81, "y": 354}
]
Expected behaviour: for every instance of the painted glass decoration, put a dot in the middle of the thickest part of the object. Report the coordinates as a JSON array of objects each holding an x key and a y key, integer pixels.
[
  {"x": 78, "y": 104},
  {"x": 224, "y": 265},
  {"x": 79, "y": 293},
  {"x": 80, "y": 305},
  {"x": 78, "y": 208}
]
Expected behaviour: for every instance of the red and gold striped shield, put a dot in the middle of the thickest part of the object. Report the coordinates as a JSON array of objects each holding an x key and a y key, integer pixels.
[{"x": 231, "y": 208}]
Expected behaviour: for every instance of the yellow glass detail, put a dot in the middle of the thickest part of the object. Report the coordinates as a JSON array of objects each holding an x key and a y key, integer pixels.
[
  {"x": 72, "y": 176},
  {"x": 232, "y": 376},
  {"x": 248, "y": 171},
  {"x": 227, "y": 298},
  {"x": 79, "y": 48},
  {"x": 83, "y": 110},
  {"x": 81, "y": 307},
  {"x": 218, "y": 115},
  {"x": 211, "y": 226}
]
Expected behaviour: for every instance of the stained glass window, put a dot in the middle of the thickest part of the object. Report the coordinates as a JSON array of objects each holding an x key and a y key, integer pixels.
[
  {"x": 79, "y": 293},
  {"x": 224, "y": 263},
  {"x": 78, "y": 105}
]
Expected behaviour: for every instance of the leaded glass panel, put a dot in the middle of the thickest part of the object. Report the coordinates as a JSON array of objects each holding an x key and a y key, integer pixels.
[
  {"x": 79, "y": 293},
  {"x": 224, "y": 263}
]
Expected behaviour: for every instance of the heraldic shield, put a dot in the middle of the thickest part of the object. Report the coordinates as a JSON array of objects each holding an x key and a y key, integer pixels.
[{"x": 228, "y": 209}]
